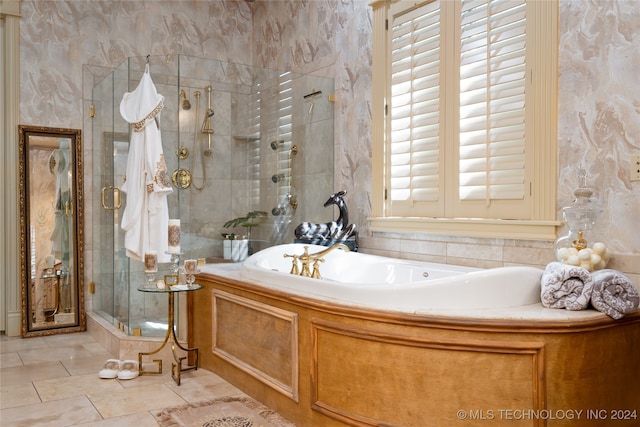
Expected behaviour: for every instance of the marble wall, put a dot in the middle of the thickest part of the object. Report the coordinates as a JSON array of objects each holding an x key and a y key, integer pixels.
[
  {"x": 67, "y": 47},
  {"x": 59, "y": 37},
  {"x": 599, "y": 108},
  {"x": 598, "y": 102},
  {"x": 599, "y": 118}
]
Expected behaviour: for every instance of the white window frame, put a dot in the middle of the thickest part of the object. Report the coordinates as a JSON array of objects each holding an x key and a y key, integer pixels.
[{"x": 541, "y": 222}]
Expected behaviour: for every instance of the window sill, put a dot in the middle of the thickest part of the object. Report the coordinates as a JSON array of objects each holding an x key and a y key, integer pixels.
[{"x": 481, "y": 228}]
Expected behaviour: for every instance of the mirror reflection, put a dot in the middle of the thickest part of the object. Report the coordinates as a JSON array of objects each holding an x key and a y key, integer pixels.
[{"x": 51, "y": 220}]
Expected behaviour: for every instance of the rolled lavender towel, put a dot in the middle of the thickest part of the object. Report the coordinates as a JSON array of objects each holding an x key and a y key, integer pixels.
[
  {"x": 614, "y": 294},
  {"x": 565, "y": 286}
]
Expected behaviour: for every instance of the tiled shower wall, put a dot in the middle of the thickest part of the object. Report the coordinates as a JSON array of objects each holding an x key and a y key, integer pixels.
[
  {"x": 599, "y": 123},
  {"x": 252, "y": 107}
]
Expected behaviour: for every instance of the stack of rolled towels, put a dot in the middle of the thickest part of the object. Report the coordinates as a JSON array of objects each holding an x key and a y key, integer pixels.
[{"x": 575, "y": 288}]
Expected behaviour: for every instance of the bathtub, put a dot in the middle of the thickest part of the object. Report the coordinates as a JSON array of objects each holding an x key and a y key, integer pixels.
[
  {"x": 319, "y": 351},
  {"x": 393, "y": 284}
]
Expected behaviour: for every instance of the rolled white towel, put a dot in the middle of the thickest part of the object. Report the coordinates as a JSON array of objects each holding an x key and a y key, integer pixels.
[
  {"x": 614, "y": 294},
  {"x": 565, "y": 286}
]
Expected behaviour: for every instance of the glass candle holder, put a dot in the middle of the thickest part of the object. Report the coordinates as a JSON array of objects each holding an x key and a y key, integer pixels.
[
  {"x": 191, "y": 266},
  {"x": 150, "y": 262}
]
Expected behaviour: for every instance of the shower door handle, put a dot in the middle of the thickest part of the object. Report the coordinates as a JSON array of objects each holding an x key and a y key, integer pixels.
[{"x": 116, "y": 198}]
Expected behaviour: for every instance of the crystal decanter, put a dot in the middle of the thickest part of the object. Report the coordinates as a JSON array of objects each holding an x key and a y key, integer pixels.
[{"x": 581, "y": 247}]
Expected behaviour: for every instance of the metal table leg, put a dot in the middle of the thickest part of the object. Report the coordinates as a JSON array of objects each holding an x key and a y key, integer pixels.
[{"x": 176, "y": 368}]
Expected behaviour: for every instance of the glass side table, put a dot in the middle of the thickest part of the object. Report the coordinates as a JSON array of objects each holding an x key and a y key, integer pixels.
[{"x": 176, "y": 368}]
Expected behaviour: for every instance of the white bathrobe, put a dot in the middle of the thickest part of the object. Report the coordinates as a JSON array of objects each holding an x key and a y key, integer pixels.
[
  {"x": 146, "y": 215},
  {"x": 60, "y": 236}
]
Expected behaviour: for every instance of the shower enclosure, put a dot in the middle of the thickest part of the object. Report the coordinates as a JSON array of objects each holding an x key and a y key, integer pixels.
[{"x": 236, "y": 139}]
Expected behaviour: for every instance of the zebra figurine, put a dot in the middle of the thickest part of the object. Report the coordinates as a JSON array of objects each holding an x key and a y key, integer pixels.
[{"x": 330, "y": 232}]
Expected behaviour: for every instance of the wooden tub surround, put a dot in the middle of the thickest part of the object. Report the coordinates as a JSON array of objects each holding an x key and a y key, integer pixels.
[{"x": 319, "y": 363}]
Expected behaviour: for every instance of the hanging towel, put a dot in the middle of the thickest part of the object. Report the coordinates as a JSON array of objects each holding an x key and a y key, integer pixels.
[
  {"x": 614, "y": 294},
  {"x": 565, "y": 286},
  {"x": 145, "y": 219}
]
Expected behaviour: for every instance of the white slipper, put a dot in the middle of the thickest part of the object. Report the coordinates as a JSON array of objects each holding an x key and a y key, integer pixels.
[
  {"x": 128, "y": 370},
  {"x": 110, "y": 369}
]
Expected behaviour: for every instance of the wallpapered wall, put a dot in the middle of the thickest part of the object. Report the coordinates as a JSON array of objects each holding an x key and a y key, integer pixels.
[{"x": 599, "y": 123}]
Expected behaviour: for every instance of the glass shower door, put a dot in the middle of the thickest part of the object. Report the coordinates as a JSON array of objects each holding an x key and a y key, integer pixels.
[
  {"x": 116, "y": 276},
  {"x": 269, "y": 147},
  {"x": 110, "y": 136}
]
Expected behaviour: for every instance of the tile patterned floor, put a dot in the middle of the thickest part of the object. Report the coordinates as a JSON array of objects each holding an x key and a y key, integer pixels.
[{"x": 53, "y": 381}]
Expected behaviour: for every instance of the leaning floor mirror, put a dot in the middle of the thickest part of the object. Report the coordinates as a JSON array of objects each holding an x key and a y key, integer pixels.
[{"x": 51, "y": 233}]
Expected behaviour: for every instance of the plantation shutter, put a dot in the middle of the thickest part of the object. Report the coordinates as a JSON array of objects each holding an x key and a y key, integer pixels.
[
  {"x": 456, "y": 125},
  {"x": 464, "y": 117},
  {"x": 414, "y": 108},
  {"x": 492, "y": 101}
]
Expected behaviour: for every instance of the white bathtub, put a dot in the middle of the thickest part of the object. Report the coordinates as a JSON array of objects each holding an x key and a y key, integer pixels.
[{"x": 393, "y": 284}]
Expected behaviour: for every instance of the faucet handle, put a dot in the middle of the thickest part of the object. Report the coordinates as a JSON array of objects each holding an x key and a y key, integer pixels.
[
  {"x": 294, "y": 264},
  {"x": 316, "y": 268}
]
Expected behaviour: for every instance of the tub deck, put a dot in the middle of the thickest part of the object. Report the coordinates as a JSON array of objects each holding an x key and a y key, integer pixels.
[{"x": 321, "y": 363}]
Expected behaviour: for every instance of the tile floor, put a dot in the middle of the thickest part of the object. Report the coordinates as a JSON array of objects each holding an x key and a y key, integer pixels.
[{"x": 53, "y": 381}]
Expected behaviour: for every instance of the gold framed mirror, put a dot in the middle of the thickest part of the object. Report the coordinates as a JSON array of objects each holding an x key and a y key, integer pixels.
[{"x": 51, "y": 230}]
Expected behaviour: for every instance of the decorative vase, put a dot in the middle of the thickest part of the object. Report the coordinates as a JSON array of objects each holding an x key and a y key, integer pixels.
[
  {"x": 239, "y": 250},
  {"x": 235, "y": 249},
  {"x": 226, "y": 248}
]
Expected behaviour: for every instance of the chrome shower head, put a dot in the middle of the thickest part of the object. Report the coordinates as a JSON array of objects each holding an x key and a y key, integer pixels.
[{"x": 186, "y": 105}]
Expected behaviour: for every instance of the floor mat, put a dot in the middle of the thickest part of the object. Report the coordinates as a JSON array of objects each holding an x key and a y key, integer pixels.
[{"x": 224, "y": 412}]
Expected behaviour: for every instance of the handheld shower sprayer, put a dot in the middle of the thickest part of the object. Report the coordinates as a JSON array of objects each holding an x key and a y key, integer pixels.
[
  {"x": 206, "y": 123},
  {"x": 186, "y": 105}
]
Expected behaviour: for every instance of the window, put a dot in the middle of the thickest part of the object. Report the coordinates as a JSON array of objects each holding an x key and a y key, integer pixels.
[{"x": 464, "y": 128}]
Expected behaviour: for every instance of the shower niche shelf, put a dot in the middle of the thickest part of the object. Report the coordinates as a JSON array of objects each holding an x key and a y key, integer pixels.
[{"x": 247, "y": 138}]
